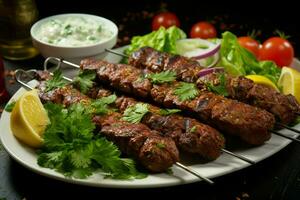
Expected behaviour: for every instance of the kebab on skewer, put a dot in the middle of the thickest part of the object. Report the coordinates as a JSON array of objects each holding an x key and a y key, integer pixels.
[
  {"x": 155, "y": 152},
  {"x": 249, "y": 123},
  {"x": 284, "y": 107}
]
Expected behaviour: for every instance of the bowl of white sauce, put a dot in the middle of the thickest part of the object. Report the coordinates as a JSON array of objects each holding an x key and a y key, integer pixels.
[{"x": 74, "y": 36}]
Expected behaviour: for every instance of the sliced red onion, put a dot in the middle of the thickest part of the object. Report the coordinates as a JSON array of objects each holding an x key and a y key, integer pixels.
[
  {"x": 208, "y": 52},
  {"x": 207, "y": 71}
]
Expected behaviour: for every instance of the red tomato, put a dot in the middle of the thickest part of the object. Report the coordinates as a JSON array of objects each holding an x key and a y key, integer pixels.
[
  {"x": 203, "y": 30},
  {"x": 165, "y": 19},
  {"x": 278, "y": 50},
  {"x": 250, "y": 44}
]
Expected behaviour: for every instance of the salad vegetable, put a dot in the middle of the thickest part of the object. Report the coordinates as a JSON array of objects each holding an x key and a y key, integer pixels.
[
  {"x": 162, "y": 40},
  {"x": 239, "y": 61}
]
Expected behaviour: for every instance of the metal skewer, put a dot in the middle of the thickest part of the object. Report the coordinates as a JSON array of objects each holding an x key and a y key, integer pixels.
[
  {"x": 285, "y": 136},
  {"x": 238, "y": 156},
  {"x": 287, "y": 127},
  {"x": 116, "y": 53},
  {"x": 194, "y": 172},
  {"x": 20, "y": 72}
]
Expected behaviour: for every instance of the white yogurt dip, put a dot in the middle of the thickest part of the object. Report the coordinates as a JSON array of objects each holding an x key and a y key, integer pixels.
[{"x": 73, "y": 31}]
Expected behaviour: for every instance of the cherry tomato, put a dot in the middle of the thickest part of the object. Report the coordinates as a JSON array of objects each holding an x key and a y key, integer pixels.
[
  {"x": 165, "y": 19},
  {"x": 278, "y": 50},
  {"x": 250, "y": 44},
  {"x": 203, "y": 30}
]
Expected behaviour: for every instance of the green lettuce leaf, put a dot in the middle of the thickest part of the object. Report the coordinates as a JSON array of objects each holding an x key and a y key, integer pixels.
[
  {"x": 239, "y": 61},
  {"x": 162, "y": 40}
]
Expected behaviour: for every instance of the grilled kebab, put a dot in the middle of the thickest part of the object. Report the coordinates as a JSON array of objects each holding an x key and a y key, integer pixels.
[
  {"x": 284, "y": 107},
  {"x": 249, "y": 123},
  {"x": 155, "y": 152},
  {"x": 189, "y": 135}
]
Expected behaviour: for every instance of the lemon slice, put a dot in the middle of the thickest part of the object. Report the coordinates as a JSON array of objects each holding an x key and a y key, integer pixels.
[
  {"x": 289, "y": 80},
  {"x": 29, "y": 119},
  {"x": 263, "y": 81}
]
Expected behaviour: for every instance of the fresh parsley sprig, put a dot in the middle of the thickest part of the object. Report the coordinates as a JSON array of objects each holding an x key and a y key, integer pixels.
[
  {"x": 166, "y": 112},
  {"x": 100, "y": 106},
  {"x": 84, "y": 80},
  {"x": 220, "y": 88},
  {"x": 186, "y": 91},
  {"x": 10, "y": 106},
  {"x": 162, "y": 77},
  {"x": 71, "y": 148},
  {"x": 135, "y": 113},
  {"x": 56, "y": 81}
]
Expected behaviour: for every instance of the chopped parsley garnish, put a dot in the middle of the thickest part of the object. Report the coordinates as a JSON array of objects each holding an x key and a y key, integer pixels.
[
  {"x": 193, "y": 129},
  {"x": 9, "y": 107},
  {"x": 220, "y": 88},
  {"x": 57, "y": 81},
  {"x": 134, "y": 114},
  {"x": 84, "y": 80},
  {"x": 186, "y": 91},
  {"x": 165, "y": 112},
  {"x": 161, "y": 145},
  {"x": 162, "y": 77},
  {"x": 100, "y": 106},
  {"x": 71, "y": 148}
]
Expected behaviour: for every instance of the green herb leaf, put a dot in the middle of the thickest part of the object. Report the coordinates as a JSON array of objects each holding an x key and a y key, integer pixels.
[
  {"x": 84, "y": 80},
  {"x": 134, "y": 114},
  {"x": 57, "y": 81},
  {"x": 165, "y": 112},
  {"x": 71, "y": 148},
  {"x": 162, "y": 77},
  {"x": 193, "y": 129},
  {"x": 161, "y": 145},
  {"x": 100, "y": 106},
  {"x": 186, "y": 91},
  {"x": 9, "y": 107},
  {"x": 220, "y": 88}
]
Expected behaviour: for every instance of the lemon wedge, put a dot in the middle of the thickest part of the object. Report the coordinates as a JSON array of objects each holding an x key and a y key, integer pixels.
[
  {"x": 262, "y": 80},
  {"x": 289, "y": 80},
  {"x": 29, "y": 119}
]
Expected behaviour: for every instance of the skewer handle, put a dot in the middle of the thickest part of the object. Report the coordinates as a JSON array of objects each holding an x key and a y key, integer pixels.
[
  {"x": 194, "y": 172},
  {"x": 116, "y": 53}
]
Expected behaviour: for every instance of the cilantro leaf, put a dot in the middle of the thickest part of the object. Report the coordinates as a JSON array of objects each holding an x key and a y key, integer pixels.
[
  {"x": 220, "y": 88},
  {"x": 186, "y": 91},
  {"x": 84, "y": 80},
  {"x": 165, "y": 112},
  {"x": 100, "y": 106},
  {"x": 162, "y": 77},
  {"x": 57, "y": 81},
  {"x": 9, "y": 107},
  {"x": 134, "y": 114}
]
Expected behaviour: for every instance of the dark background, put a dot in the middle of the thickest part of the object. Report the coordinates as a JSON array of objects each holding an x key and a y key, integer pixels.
[{"x": 241, "y": 17}]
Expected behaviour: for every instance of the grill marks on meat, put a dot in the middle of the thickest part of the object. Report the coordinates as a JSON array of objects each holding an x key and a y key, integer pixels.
[
  {"x": 249, "y": 123},
  {"x": 283, "y": 107},
  {"x": 239, "y": 88},
  {"x": 189, "y": 134},
  {"x": 154, "y": 152}
]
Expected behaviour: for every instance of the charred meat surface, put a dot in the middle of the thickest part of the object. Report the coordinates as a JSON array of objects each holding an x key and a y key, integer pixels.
[
  {"x": 249, "y": 123},
  {"x": 242, "y": 89}
]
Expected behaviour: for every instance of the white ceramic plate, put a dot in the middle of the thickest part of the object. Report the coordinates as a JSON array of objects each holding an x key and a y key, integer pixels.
[{"x": 223, "y": 165}]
